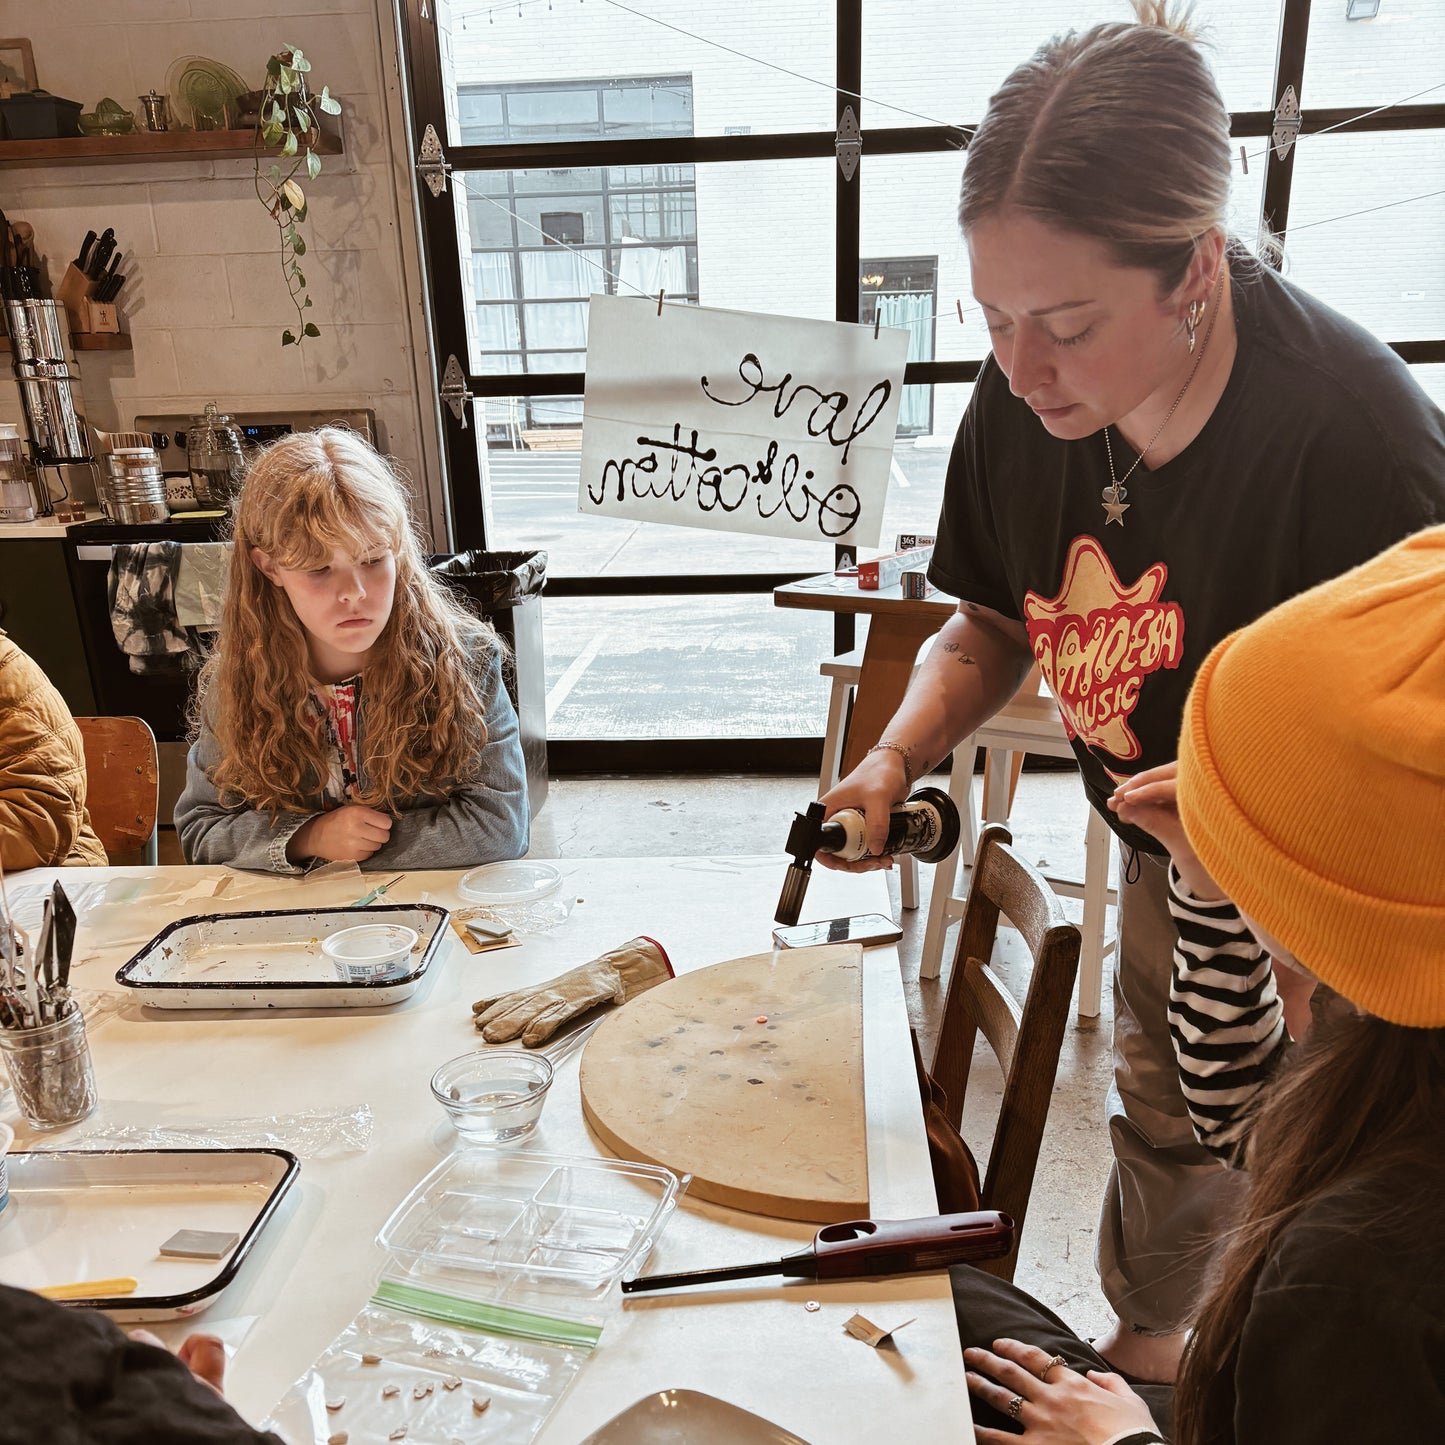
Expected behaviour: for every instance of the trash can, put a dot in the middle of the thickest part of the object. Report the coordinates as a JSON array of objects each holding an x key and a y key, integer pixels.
[{"x": 505, "y": 589}]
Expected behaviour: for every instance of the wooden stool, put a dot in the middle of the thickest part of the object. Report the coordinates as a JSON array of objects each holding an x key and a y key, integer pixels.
[{"x": 1030, "y": 723}]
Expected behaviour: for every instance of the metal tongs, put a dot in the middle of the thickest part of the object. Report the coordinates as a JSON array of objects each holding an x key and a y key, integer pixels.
[{"x": 862, "y": 1248}]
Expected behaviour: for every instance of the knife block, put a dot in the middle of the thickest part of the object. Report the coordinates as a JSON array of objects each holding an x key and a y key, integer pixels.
[{"x": 85, "y": 314}]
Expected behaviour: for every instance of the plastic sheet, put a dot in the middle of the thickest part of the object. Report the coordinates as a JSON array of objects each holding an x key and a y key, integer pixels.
[
  {"x": 314, "y": 1134},
  {"x": 439, "y": 1382}
]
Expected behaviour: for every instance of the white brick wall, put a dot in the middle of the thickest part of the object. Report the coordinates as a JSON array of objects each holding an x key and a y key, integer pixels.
[{"x": 204, "y": 301}]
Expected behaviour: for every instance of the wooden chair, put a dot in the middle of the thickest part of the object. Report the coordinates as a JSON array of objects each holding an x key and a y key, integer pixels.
[
  {"x": 1026, "y": 1040},
  {"x": 122, "y": 792}
]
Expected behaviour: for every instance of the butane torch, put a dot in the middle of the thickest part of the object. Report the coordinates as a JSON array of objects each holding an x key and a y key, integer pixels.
[{"x": 925, "y": 824}]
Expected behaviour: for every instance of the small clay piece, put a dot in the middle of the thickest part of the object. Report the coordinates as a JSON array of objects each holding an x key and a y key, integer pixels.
[
  {"x": 398, "y": 1434},
  {"x": 420, "y": 1392},
  {"x": 340, "y": 1438},
  {"x": 390, "y": 1392},
  {"x": 762, "y": 1018},
  {"x": 435, "y": 1354},
  {"x": 479, "y": 1407},
  {"x": 370, "y": 1359},
  {"x": 334, "y": 1406},
  {"x": 200, "y": 1244},
  {"x": 452, "y": 1382},
  {"x": 812, "y": 1307}
]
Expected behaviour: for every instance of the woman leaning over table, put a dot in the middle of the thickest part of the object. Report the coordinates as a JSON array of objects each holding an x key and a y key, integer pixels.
[{"x": 1168, "y": 440}]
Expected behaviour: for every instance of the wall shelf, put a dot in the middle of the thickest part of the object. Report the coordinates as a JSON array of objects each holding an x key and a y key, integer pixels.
[{"x": 165, "y": 145}]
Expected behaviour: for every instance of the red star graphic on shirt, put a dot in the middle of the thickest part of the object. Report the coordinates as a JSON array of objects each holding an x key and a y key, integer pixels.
[{"x": 1097, "y": 641}]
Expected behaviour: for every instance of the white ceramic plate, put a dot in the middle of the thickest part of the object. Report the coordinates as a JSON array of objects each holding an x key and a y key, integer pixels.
[
  {"x": 689, "y": 1417},
  {"x": 519, "y": 882}
]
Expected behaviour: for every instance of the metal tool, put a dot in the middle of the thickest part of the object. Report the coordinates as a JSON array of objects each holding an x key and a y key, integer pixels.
[
  {"x": 367, "y": 899},
  {"x": 85, "y": 245},
  {"x": 925, "y": 824},
  {"x": 864, "y": 1248}
]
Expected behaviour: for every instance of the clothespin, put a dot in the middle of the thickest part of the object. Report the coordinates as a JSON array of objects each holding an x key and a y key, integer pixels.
[
  {"x": 1244, "y": 159},
  {"x": 958, "y": 301},
  {"x": 877, "y": 318},
  {"x": 660, "y": 295}
]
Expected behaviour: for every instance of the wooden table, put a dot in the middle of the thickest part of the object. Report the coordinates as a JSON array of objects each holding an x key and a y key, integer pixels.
[
  {"x": 897, "y": 628},
  {"x": 754, "y": 1344}
]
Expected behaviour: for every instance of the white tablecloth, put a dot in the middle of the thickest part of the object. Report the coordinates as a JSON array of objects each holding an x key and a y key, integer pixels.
[{"x": 753, "y": 1344}]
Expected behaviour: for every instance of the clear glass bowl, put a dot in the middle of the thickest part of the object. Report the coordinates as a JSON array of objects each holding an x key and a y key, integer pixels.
[{"x": 493, "y": 1096}]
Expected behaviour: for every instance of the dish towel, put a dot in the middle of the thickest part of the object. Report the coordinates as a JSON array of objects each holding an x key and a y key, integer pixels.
[
  {"x": 141, "y": 589},
  {"x": 201, "y": 584}
]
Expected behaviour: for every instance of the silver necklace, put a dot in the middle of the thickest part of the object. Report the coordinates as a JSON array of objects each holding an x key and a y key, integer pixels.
[{"x": 1114, "y": 504}]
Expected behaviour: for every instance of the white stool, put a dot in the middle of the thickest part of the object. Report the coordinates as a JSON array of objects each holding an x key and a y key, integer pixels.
[
  {"x": 845, "y": 670},
  {"x": 1031, "y": 723}
]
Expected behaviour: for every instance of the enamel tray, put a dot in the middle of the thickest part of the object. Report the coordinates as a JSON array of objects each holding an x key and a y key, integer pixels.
[
  {"x": 273, "y": 959},
  {"x": 80, "y": 1214}
]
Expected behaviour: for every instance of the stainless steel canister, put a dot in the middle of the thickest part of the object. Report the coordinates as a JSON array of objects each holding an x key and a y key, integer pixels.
[{"x": 39, "y": 331}]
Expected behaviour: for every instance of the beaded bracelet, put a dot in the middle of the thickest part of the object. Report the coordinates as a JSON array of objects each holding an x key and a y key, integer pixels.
[{"x": 904, "y": 751}]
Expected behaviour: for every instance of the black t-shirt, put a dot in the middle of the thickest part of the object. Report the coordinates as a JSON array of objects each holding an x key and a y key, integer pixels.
[{"x": 1321, "y": 453}]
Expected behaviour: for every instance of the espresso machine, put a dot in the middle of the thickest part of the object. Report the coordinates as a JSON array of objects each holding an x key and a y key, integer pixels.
[{"x": 43, "y": 361}]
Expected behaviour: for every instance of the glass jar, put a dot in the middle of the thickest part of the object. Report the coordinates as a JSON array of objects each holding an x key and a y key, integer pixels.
[
  {"x": 50, "y": 1071},
  {"x": 213, "y": 451}
]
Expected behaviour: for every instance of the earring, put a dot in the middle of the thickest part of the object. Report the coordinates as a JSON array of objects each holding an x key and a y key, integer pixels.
[{"x": 1192, "y": 318}]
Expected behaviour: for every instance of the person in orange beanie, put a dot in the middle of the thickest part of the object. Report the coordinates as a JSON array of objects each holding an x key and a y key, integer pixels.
[{"x": 1306, "y": 824}]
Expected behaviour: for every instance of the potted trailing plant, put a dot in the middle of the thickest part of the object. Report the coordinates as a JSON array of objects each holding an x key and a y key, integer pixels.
[{"x": 287, "y": 120}]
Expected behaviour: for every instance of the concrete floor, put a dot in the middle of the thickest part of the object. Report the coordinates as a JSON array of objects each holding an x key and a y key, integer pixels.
[{"x": 702, "y": 816}]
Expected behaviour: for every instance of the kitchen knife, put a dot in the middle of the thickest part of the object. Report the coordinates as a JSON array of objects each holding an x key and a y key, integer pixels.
[
  {"x": 85, "y": 246},
  {"x": 109, "y": 289},
  {"x": 101, "y": 254},
  {"x": 862, "y": 1248}
]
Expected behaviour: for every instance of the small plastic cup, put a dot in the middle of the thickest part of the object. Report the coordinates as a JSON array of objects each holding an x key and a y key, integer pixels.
[
  {"x": 494, "y": 1096},
  {"x": 370, "y": 952}
]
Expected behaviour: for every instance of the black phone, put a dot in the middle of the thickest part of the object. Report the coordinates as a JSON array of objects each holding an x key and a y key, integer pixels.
[{"x": 865, "y": 928}]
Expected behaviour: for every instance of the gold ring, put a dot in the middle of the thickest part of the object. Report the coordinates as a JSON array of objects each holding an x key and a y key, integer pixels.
[
  {"x": 1057, "y": 1360},
  {"x": 1015, "y": 1407}
]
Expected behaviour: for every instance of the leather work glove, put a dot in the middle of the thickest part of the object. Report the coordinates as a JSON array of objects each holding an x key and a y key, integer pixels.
[{"x": 537, "y": 1013}]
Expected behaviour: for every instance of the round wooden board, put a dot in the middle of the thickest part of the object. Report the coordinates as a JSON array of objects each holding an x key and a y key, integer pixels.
[{"x": 766, "y": 1117}]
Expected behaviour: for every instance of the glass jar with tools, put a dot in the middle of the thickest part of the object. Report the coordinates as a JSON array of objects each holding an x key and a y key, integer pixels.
[
  {"x": 213, "y": 449},
  {"x": 17, "y": 504},
  {"x": 50, "y": 1070}
]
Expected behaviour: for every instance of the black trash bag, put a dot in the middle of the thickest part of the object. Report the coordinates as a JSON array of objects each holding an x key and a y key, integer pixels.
[{"x": 494, "y": 579}]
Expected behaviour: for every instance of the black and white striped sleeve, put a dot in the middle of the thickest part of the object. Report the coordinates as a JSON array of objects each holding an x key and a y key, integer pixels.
[{"x": 1225, "y": 1017}]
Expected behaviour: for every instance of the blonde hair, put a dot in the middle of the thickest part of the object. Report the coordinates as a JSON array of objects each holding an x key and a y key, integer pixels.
[
  {"x": 1119, "y": 134},
  {"x": 310, "y": 494}
]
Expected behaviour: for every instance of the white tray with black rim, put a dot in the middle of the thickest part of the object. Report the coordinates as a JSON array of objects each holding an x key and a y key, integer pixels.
[
  {"x": 273, "y": 960},
  {"x": 78, "y": 1215}
]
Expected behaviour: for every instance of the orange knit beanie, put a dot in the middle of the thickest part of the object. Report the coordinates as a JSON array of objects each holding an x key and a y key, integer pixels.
[{"x": 1312, "y": 779}]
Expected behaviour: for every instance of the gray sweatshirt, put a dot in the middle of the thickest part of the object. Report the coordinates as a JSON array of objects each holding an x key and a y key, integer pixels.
[{"x": 485, "y": 821}]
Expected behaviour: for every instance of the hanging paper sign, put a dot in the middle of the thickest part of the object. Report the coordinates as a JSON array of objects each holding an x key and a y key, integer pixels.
[{"x": 739, "y": 422}]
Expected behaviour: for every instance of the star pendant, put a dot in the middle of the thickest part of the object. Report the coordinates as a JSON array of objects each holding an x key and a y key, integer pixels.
[{"x": 1114, "y": 511}]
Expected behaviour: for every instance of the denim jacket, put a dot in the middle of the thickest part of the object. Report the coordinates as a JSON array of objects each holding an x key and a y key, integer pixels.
[{"x": 485, "y": 821}]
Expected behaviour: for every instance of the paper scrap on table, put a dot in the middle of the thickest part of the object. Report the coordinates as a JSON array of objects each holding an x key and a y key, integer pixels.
[
  {"x": 460, "y": 916},
  {"x": 869, "y": 1333},
  {"x": 737, "y": 421}
]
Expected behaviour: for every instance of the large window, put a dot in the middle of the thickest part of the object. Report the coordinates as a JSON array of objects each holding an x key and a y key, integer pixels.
[
  {"x": 542, "y": 241},
  {"x": 666, "y": 147}
]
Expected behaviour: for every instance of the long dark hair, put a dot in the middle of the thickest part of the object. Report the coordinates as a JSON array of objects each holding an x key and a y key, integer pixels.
[{"x": 1360, "y": 1098}]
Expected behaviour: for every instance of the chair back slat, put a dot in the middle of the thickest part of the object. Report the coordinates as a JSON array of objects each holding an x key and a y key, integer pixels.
[
  {"x": 1026, "y": 1038},
  {"x": 122, "y": 793}
]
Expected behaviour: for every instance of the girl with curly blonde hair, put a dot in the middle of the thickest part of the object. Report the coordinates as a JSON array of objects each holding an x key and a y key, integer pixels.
[{"x": 351, "y": 710}]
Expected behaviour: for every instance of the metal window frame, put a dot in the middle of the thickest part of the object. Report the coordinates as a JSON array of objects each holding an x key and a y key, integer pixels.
[{"x": 421, "y": 59}]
